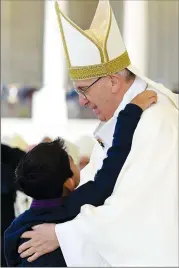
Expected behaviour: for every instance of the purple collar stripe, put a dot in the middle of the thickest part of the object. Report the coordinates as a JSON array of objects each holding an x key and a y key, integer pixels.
[{"x": 47, "y": 203}]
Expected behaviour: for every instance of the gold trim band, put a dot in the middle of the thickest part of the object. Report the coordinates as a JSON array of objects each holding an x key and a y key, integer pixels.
[{"x": 103, "y": 69}]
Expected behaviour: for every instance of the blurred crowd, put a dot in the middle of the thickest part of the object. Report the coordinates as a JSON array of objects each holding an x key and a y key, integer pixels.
[{"x": 16, "y": 100}]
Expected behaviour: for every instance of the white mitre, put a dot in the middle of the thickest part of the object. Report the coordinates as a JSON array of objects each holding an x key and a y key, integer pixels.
[{"x": 100, "y": 50}]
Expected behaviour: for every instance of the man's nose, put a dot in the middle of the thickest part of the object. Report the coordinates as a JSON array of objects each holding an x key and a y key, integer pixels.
[{"x": 82, "y": 100}]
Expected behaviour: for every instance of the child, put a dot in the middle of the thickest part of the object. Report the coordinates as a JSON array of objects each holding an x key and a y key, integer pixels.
[{"x": 47, "y": 173}]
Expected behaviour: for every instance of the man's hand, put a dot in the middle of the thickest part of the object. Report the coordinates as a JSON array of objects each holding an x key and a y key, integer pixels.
[
  {"x": 145, "y": 99},
  {"x": 42, "y": 240}
]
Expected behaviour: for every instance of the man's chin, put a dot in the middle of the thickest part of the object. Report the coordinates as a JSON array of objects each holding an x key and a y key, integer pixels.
[{"x": 101, "y": 118}]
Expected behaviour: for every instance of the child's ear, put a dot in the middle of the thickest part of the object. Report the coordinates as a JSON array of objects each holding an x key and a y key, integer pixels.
[{"x": 70, "y": 184}]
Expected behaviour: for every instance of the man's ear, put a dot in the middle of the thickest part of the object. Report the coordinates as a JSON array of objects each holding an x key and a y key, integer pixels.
[
  {"x": 70, "y": 184},
  {"x": 116, "y": 83}
]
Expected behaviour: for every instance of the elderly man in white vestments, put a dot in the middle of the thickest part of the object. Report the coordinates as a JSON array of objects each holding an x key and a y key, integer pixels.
[{"x": 138, "y": 224}]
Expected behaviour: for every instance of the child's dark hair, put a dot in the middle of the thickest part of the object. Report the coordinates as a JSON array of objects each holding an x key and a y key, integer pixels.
[{"x": 42, "y": 172}]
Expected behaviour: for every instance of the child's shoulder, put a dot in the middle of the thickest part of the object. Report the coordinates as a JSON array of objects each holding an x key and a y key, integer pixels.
[{"x": 20, "y": 221}]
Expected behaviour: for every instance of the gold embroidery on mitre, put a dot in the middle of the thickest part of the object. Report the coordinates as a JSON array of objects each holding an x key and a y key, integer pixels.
[
  {"x": 99, "y": 70},
  {"x": 107, "y": 34},
  {"x": 62, "y": 35},
  {"x": 101, "y": 25}
]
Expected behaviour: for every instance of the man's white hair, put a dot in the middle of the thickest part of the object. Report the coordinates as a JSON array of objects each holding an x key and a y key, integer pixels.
[{"x": 125, "y": 73}]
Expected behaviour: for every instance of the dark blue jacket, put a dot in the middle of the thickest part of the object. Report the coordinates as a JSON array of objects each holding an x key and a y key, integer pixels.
[{"x": 93, "y": 192}]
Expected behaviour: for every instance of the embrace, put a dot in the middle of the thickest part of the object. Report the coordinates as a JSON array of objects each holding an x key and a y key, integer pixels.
[{"x": 122, "y": 209}]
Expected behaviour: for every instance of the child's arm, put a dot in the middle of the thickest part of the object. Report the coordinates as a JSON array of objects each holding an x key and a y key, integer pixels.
[{"x": 97, "y": 191}]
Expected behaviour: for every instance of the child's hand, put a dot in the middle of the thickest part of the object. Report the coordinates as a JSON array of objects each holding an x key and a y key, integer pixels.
[{"x": 145, "y": 99}]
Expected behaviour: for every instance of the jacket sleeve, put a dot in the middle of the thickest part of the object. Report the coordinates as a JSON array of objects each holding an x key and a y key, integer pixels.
[{"x": 97, "y": 191}]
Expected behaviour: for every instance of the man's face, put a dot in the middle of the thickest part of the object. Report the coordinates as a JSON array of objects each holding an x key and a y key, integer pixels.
[
  {"x": 71, "y": 183},
  {"x": 76, "y": 172},
  {"x": 99, "y": 96}
]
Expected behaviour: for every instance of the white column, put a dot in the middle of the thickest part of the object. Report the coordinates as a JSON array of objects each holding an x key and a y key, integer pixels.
[
  {"x": 135, "y": 32},
  {"x": 49, "y": 106},
  {"x": 6, "y": 41}
]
